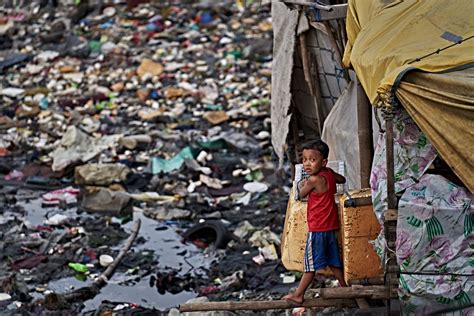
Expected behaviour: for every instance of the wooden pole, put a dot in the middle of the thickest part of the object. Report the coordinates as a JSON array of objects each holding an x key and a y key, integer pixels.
[
  {"x": 390, "y": 215},
  {"x": 263, "y": 305},
  {"x": 364, "y": 131},
  {"x": 389, "y": 151}
]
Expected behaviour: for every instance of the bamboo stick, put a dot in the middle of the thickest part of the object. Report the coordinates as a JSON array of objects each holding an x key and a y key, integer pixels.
[{"x": 262, "y": 305}]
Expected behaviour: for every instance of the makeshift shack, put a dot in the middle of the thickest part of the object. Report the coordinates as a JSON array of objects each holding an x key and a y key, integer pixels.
[{"x": 413, "y": 62}]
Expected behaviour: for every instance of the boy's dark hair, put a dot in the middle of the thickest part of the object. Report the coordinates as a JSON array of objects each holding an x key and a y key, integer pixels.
[{"x": 318, "y": 145}]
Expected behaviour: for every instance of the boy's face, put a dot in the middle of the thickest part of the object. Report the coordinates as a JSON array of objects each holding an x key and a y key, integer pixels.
[{"x": 313, "y": 161}]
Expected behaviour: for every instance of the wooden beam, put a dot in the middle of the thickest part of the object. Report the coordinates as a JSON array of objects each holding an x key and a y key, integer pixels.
[
  {"x": 263, "y": 305},
  {"x": 368, "y": 281}
]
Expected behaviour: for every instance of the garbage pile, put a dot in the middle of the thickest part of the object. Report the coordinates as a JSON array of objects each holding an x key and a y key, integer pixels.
[{"x": 116, "y": 111}]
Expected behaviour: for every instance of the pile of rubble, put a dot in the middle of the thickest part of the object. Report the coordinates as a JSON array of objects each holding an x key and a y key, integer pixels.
[{"x": 116, "y": 111}]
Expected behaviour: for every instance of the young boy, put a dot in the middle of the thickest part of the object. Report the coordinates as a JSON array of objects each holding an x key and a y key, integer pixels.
[{"x": 322, "y": 249}]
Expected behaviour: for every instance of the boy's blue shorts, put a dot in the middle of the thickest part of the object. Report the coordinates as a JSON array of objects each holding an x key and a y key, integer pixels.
[{"x": 321, "y": 251}]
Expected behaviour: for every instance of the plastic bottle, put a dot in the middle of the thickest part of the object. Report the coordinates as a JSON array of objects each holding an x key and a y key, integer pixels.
[{"x": 78, "y": 267}]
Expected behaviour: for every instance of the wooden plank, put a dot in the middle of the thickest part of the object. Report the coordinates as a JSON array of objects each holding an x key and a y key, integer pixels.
[
  {"x": 355, "y": 291},
  {"x": 369, "y": 281},
  {"x": 263, "y": 305}
]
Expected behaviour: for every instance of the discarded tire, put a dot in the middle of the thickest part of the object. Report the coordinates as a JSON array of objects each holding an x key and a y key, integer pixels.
[{"x": 211, "y": 232}]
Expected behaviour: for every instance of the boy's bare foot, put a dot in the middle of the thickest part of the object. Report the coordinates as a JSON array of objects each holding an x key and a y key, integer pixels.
[{"x": 293, "y": 298}]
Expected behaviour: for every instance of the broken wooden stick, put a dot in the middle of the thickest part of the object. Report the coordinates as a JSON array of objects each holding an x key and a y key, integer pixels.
[
  {"x": 103, "y": 278},
  {"x": 263, "y": 305},
  {"x": 55, "y": 301}
]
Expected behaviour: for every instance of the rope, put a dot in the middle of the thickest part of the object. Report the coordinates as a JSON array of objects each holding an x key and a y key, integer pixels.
[
  {"x": 439, "y": 50},
  {"x": 435, "y": 273}
]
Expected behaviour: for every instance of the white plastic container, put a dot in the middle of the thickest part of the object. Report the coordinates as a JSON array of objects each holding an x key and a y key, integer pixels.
[{"x": 106, "y": 260}]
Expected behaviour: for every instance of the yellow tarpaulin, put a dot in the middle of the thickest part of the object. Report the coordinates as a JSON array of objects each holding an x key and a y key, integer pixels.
[
  {"x": 442, "y": 105},
  {"x": 386, "y": 37}
]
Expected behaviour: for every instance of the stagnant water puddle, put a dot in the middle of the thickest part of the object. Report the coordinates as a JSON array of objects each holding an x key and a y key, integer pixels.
[{"x": 158, "y": 238}]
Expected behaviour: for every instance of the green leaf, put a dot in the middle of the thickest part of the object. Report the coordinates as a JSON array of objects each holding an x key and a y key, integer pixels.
[
  {"x": 433, "y": 227},
  {"x": 410, "y": 309},
  {"x": 471, "y": 261},
  {"x": 407, "y": 262},
  {"x": 462, "y": 299},
  {"x": 421, "y": 141},
  {"x": 412, "y": 220},
  {"x": 444, "y": 300},
  {"x": 468, "y": 224},
  {"x": 404, "y": 284}
]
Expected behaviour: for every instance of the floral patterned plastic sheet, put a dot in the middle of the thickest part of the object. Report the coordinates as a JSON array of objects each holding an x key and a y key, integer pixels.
[
  {"x": 413, "y": 154},
  {"x": 435, "y": 236},
  {"x": 435, "y": 224}
]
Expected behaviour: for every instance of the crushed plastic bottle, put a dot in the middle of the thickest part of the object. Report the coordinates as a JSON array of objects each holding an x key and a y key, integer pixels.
[{"x": 78, "y": 267}]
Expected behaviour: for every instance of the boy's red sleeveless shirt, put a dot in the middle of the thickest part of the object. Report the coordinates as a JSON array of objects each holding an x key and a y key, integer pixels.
[{"x": 322, "y": 209}]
